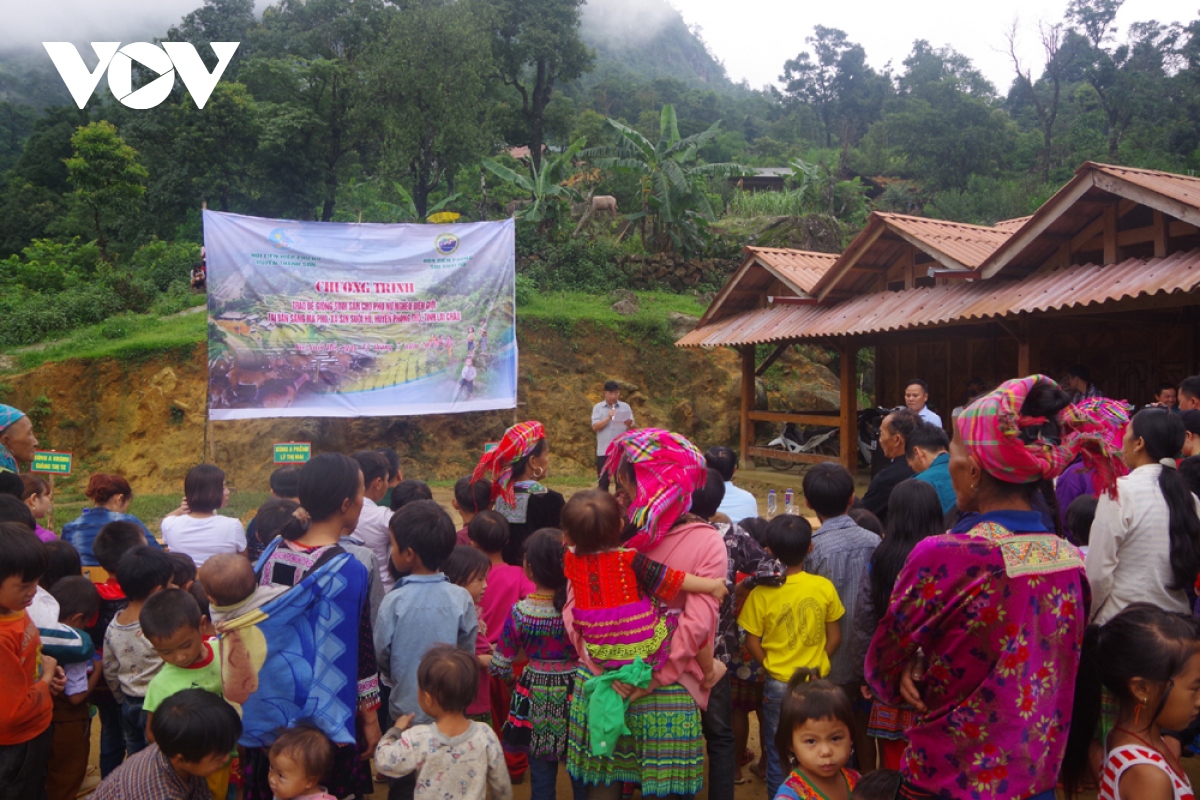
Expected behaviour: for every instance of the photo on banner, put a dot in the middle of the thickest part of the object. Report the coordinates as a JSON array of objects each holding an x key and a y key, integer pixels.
[{"x": 330, "y": 319}]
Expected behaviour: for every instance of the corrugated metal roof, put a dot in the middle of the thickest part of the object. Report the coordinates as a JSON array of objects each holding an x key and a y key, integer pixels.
[
  {"x": 1011, "y": 225},
  {"x": 1183, "y": 188},
  {"x": 802, "y": 267},
  {"x": 969, "y": 245},
  {"x": 1073, "y": 286}
]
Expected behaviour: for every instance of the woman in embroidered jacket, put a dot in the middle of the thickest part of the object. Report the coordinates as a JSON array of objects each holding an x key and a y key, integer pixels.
[{"x": 986, "y": 621}]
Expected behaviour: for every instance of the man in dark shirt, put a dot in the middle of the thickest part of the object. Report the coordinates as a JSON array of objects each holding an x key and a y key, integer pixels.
[{"x": 893, "y": 440}]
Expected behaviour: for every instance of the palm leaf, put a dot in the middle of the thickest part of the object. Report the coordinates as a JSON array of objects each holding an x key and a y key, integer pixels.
[{"x": 504, "y": 173}]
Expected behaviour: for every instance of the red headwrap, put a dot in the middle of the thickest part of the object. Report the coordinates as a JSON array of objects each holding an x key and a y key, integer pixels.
[
  {"x": 496, "y": 465},
  {"x": 669, "y": 469}
]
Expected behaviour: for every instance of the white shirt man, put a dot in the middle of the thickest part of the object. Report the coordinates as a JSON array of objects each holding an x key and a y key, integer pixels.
[
  {"x": 610, "y": 419},
  {"x": 916, "y": 396}
]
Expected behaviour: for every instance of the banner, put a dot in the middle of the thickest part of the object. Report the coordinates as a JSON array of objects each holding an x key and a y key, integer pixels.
[{"x": 331, "y": 319}]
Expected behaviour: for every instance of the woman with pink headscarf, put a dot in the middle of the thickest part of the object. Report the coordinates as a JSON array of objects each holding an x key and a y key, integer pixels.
[
  {"x": 664, "y": 751},
  {"x": 986, "y": 622}
]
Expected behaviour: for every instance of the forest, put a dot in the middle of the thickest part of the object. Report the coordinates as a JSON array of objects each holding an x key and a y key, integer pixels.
[{"x": 398, "y": 111}]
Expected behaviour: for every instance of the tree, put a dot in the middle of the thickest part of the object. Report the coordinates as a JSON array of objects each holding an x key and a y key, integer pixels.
[
  {"x": 836, "y": 81},
  {"x": 432, "y": 109},
  {"x": 547, "y": 185},
  {"x": 215, "y": 147},
  {"x": 218, "y": 21},
  {"x": 537, "y": 48},
  {"x": 1045, "y": 95},
  {"x": 108, "y": 180},
  {"x": 672, "y": 180}
]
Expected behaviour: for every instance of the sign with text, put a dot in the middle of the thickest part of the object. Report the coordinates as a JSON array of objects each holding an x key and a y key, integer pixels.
[
  {"x": 292, "y": 452},
  {"x": 331, "y": 319},
  {"x": 51, "y": 462}
]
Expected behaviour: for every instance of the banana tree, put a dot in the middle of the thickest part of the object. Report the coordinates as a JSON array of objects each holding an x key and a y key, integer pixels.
[
  {"x": 406, "y": 209},
  {"x": 673, "y": 181},
  {"x": 548, "y": 193}
]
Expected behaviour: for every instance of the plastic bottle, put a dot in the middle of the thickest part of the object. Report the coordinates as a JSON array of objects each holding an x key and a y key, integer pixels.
[
  {"x": 771, "y": 506},
  {"x": 789, "y": 506}
]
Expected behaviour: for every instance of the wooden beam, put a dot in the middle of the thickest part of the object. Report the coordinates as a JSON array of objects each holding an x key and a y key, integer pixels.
[
  {"x": 859, "y": 246},
  {"x": 766, "y": 365},
  {"x": 811, "y": 418},
  {"x": 1023, "y": 365},
  {"x": 1049, "y": 213},
  {"x": 799, "y": 458},
  {"x": 1111, "y": 252},
  {"x": 1094, "y": 228},
  {"x": 849, "y": 406},
  {"x": 747, "y": 427},
  {"x": 1161, "y": 234},
  {"x": 1169, "y": 206}
]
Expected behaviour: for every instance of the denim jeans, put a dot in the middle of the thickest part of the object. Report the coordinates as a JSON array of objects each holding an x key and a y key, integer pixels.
[
  {"x": 543, "y": 781},
  {"x": 23, "y": 767},
  {"x": 773, "y": 694},
  {"x": 112, "y": 735},
  {"x": 717, "y": 721},
  {"x": 133, "y": 724}
]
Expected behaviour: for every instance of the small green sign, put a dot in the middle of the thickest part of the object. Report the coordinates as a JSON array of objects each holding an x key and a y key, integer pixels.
[
  {"x": 292, "y": 452},
  {"x": 52, "y": 462}
]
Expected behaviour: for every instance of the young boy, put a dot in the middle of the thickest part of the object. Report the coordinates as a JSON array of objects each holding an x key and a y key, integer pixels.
[
  {"x": 78, "y": 604},
  {"x": 113, "y": 541},
  {"x": 789, "y": 627},
  {"x": 285, "y": 485},
  {"x": 194, "y": 733},
  {"x": 130, "y": 663},
  {"x": 372, "y": 529},
  {"x": 469, "y": 500},
  {"x": 187, "y": 644},
  {"x": 453, "y": 751},
  {"x": 423, "y": 610},
  {"x": 30, "y": 679}
]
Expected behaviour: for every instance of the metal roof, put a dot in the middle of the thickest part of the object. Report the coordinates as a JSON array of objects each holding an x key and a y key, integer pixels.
[
  {"x": 1074, "y": 286},
  {"x": 1183, "y": 188},
  {"x": 802, "y": 267},
  {"x": 1011, "y": 225},
  {"x": 967, "y": 244}
]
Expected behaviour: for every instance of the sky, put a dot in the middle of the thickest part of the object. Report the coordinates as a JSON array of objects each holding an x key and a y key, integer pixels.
[
  {"x": 755, "y": 37},
  {"x": 752, "y": 37}
]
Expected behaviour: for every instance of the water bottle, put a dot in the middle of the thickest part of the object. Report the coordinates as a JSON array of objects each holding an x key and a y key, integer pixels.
[
  {"x": 771, "y": 504},
  {"x": 789, "y": 506}
]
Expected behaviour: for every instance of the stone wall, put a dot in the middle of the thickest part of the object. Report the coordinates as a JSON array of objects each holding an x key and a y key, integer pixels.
[{"x": 665, "y": 271}]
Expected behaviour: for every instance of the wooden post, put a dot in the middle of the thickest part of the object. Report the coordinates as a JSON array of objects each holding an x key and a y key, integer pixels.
[
  {"x": 1023, "y": 366},
  {"x": 747, "y": 434},
  {"x": 1161, "y": 234},
  {"x": 849, "y": 406},
  {"x": 1111, "y": 252}
]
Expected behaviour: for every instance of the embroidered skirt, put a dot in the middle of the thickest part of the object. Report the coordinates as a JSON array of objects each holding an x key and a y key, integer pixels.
[
  {"x": 664, "y": 751},
  {"x": 890, "y": 722},
  {"x": 541, "y": 705},
  {"x": 747, "y": 695}
]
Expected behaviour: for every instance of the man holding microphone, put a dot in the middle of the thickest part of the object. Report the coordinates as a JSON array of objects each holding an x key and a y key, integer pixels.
[{"x": 610, "y": 419}]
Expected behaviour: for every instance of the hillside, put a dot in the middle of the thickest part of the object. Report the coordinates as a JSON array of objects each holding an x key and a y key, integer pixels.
[{"x": 642, "y": 40}]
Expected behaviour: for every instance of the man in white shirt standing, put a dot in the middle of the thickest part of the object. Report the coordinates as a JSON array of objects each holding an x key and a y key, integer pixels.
[
  {"x": 738, "y": 503},
  {"x": 916, "y": 397},
  {"x": 372, "y": 530},
  {"x": 610, "y": 419}
]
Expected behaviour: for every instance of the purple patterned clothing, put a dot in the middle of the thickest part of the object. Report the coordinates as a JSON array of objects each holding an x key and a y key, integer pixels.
[{"x": 999, "y": 616}]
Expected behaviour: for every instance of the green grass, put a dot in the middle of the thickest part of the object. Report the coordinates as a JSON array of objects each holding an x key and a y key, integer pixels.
[
  {"x": 151, "y": 508},
  {"x": 138, "y": 336},
  {"x": 133, "y": 337}
]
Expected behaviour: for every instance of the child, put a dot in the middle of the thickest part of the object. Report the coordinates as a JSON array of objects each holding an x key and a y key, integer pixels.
[
  {"x": 130, "y": 662},
  {"x": 882, "y": 784},
  {"x": 1150, "y": 660},
  {"x": 285, "y": 485},
  {"x": 113, "y": 541},
  {"x": 468, "y": 568},
  {"x": 789, "y": 627},
  {"x": 424, "y": 609},
  {"x": 35, "y": 491},
  {"x": 194, "y": 733},
  {"x": 614, "y": 587},
  {"x": 232, "y": 590},
  {"x": 816, "y": 736},
  {"x": 78, "y": 606},
  {"x": 536, "y": 722},
  {"x": 470, "y": 499},
  {"x": 506, "y": 584},
  {"x": 1079, "y": 518},
  {"x": 185, "y": 570},
  {"x": 468, "y": 378},
  {"x": 185, "y": 641},
  {"x": 454, "y": 756},
  {"x": 31, "y": 679},
  {"x": 300, "y": 759},
  {"x": 372, "y": 529}
]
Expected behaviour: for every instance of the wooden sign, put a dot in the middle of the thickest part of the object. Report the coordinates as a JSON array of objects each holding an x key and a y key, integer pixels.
[
  {"x": 52, "y": 462},
  {"x": 292, "y": 452}
]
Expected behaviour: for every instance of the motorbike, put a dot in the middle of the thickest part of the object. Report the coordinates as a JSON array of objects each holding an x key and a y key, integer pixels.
[{"x": 825, "y": 440}]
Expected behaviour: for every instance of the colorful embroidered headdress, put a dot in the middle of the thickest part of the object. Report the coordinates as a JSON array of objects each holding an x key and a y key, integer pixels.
[
  {"x": 497, "y": 465},
  {"x": 668, "y": 468}
]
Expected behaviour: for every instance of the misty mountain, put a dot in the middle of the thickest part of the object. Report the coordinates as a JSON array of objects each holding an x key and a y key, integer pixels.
[{"x": 641, "y": 40}]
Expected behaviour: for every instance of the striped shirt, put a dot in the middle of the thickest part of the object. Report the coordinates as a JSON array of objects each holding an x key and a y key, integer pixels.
[
  {"x": 148, "y": 775},
  {"x": 1129, "y": 550},
  {"x": 1130, "y": 755}
]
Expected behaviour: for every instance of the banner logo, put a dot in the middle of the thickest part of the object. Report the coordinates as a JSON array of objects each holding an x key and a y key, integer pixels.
[
  {"x": 166, "y": 60},
  {"x": 446, "y": 244}
]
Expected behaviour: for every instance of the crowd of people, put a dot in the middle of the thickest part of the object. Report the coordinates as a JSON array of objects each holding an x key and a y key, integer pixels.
[{"x": 1007, "y": 610}]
